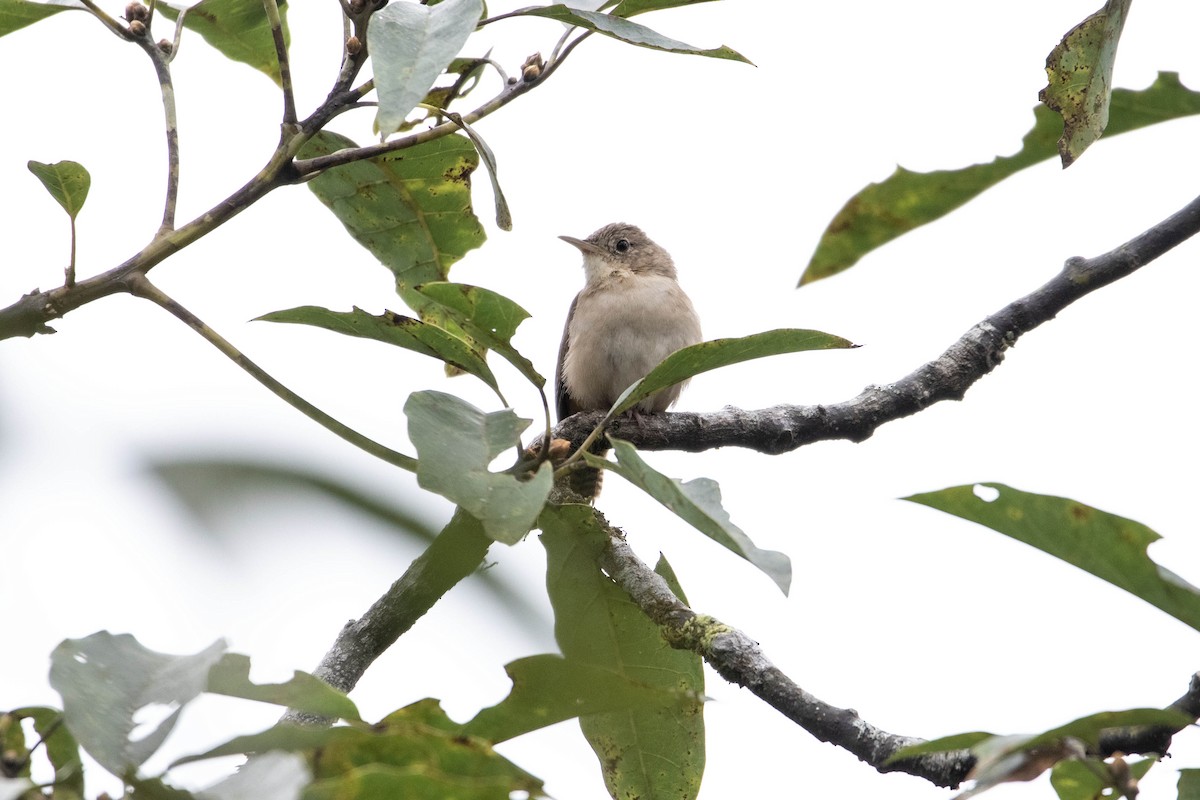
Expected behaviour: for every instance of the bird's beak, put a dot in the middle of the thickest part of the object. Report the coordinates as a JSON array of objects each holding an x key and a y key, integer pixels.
[{"x": 584, "y": 247}]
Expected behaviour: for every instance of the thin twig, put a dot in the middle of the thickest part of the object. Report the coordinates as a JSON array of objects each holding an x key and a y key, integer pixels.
[
  {"x": 109, "y": 22},
  {"x": 281, "y": 55},
  {"x": 140, "y": 286},
  {"x": 162, "y": 69}
]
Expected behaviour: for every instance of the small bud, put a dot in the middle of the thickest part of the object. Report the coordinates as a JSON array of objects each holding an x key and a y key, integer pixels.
[
  {"x": 165, "y": 46},
  {"x": 137, "y": 28},
  {"x": 353, "y": 46},
  {"x": 357, "y": 6},
  {"x": 137, "y": 11},
  {"x": 531, "y": 70}
]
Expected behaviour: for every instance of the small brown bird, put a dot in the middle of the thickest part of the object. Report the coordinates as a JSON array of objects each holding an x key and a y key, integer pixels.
[{"x": 630, "y": 315}]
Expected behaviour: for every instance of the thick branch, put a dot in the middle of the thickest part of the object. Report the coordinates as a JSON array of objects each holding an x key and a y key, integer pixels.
[
  {"x": 740, "y": 660},
  {"x": 975, "y": 354}
]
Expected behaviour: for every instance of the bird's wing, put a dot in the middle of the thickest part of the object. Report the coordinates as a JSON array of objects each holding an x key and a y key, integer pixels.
[{"x": 563, "y": 403}]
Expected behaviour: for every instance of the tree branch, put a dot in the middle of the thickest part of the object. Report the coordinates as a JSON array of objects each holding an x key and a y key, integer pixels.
[
  {"x": 162, "y": 69},
  {"x": 739, "y": 660},
  {"x": 140, "y": 286},
  {"x": 787, "y": 427}
]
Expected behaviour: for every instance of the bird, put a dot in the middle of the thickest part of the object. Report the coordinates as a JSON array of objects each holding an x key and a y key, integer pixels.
[{"x": 629, "y": 316}]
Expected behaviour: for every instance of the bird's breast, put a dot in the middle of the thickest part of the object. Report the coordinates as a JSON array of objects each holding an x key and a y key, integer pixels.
[{"x": 621, "y": 329}]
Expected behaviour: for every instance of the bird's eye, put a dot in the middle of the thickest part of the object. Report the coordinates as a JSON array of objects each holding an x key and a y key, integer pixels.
[{"x": 622, "y": 245}]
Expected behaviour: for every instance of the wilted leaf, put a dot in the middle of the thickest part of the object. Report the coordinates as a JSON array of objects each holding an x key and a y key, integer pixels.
[
  {"x": 455, "y": 443},
  {"x": 411, "y": 208},
  {"x": 231, "y": 676},
  {"x": 238, "y": 29},
  {"x": 698, "y": 358},
  {"x": 643, "y": 751},
  {"x": 625, "y": 31},
  {"x": 1080, "y": 72},
  {"x": 391, "y": 328},
  {"x": 698, "y": 502},
  {"x": 549, "y": 688},
  {"x": 66, "y": 181},
  {"x": 503, "y": 214},
  {"x": 106, "y": 680},
  {"x": 410, "y": 45},
  {"x": 906, "y": 200},
  {"x": 1110, "y": 547}
]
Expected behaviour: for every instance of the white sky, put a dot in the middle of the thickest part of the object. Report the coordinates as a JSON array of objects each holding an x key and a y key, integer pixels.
[{"x": 925, "y": 624}]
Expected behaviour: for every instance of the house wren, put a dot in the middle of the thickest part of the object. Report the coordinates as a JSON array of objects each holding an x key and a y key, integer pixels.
[{"x": 630, "y": 315}]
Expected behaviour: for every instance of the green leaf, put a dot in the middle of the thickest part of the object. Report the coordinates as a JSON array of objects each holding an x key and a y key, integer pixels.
[
  {"x": 1110, "y": 547},
  {"x": 455, "y": 443},
  {"x": 282, "y": 736},
  {"x": 231, "y": 676},
  {"x": 697, "y": 502},
  {"x": 1080, "y": 72},
  {"x": 907, "y": 200},
  {"x": 391, "y": 328},
  {"x": 644, "y": 751},
  {"x": 548, "y": 689},
  {"x": 416, "y": 752},
  {"x": 66, "y": 181},
  {"x": 61, "y": 748},
  {"x": 487, "y": 318},
  {"x": 706, "y": 356},
  {"x": 625, "y": 31},
  {"x": 106, "y": 680},
  {"x": 410, "y": 45},
  {"x": 238, "y": 29},
  {"x": 1080, "y": 780},
  {"x": 16, "y": 14},
  {"x": 1088, "y": 729},
  {"x": 411, "y": 208},
  {"x": 628, "y": 8},
  {"x": 1189, "y": 784}
]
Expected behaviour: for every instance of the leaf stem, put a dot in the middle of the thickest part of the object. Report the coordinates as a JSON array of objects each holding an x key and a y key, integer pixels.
[
  {"x": 140, "y": 286},
  {"x": 69, "y": 281}
]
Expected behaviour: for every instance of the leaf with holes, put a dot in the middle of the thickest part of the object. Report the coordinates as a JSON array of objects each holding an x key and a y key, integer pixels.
[
  {"x": 411, "y": 208},
  {"x": 1110, "y": 547},
  {"x": 107, "y": 682}
]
